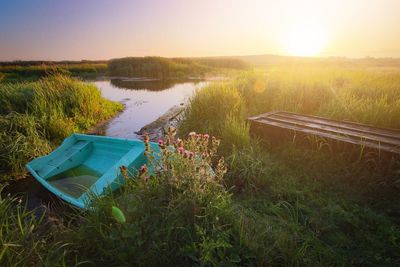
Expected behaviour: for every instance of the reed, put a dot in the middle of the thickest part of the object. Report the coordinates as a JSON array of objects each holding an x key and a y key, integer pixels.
[{"x": 35, "y": 116}]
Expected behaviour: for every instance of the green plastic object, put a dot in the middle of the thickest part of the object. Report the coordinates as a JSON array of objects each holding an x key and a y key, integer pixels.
[
  {"x": 118, "y": 214},
  {"x": 84, "y": 167}
]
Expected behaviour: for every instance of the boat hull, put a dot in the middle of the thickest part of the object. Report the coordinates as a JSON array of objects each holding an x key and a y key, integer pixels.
[{"x": 83, "y": 167}]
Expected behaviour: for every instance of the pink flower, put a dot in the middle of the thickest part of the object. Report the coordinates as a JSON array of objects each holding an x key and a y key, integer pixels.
[
  {"x": 179, "y": 142},
  {"x": 161, "y": 144},
  {"x": 143, "y": 169},
  {"x": 181, "y": 150},
  {"x": 191, "y": 155},
  {"x": 206, "y": 136}
]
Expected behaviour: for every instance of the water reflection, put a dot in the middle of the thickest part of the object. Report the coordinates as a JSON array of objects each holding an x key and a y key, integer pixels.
[
  {"x": 151, "y": 85},
  {"x": 143, "y": 106}
]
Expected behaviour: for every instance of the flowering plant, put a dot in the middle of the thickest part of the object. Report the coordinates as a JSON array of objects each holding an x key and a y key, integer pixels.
[{"x": 177, "y": 159}]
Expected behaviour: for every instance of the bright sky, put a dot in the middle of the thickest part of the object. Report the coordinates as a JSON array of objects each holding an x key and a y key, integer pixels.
[{"x": 103, "y": 29}]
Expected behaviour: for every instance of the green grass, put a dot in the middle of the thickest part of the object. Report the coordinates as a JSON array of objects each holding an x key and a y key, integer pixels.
[
  {"x": 35, "y": 116},
  {"x": 33, "y": 71},
  {"x": 172, "y": 68},
  {"x": 302, "y": 205},
  {"x": 277, "y": 204}
]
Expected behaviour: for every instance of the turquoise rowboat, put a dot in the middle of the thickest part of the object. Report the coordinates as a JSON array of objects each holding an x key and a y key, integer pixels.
[{"x": 85, "y": 166}]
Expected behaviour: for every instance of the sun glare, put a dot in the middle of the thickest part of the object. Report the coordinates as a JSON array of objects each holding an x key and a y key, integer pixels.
[{"x": 305, "y": 41}]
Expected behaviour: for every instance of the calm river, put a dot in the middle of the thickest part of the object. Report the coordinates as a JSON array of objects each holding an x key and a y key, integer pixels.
[{"x": 145, "y": 102}]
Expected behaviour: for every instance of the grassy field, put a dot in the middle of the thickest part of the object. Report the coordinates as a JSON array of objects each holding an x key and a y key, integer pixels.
[
  {"x": 304, "y": 206},
  {"x": 32, "y": 71},
  {"x": 268, "y": 204},
  {"x": 151, "y": 67},
  {"x": 36, "y": 116}
]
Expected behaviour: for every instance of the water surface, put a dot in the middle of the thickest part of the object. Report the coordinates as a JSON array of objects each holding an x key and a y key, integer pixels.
[
  {"x": 76, "y": 181},
  {"x": 145, "y": 101}
]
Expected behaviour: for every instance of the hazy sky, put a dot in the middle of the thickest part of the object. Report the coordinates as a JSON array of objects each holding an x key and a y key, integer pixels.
[{"x": 103, "y": 29}]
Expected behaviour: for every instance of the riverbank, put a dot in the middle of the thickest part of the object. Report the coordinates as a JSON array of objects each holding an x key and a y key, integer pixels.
[
  {"x": 36, "y": 116},
  {"x": 155, "y": 129}
]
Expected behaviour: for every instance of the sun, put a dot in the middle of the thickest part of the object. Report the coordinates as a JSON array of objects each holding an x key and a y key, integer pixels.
[{"x": 305, "y": 41}]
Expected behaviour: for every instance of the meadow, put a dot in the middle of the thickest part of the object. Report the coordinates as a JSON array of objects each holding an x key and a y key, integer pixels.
[
  {"x": 33, "y": 70},
  {"x": 268, "y": 204}
]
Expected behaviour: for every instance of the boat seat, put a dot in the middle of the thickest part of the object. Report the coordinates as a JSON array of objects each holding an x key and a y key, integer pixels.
[{"x": 69, "y": 155}]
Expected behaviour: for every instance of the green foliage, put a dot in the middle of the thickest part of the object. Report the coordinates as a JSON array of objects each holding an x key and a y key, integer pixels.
[
  {"x": 22, "y": 139},
  {"x": 166, "y": 68},
  {"x": 26, "y": 238},
  {"x": 32, "y": 71},
  {"x": 211, "y": 107},
  {"x": 34, "y": 116},
  {"x": 237, "y": 132},
  {"x": 362, "y": 95},
  {"x": 20, "y": 239},
  {"x": 274, "y": 205},
  {"x": 179, "y": 216},
  {"x": 302, "y": 207}
]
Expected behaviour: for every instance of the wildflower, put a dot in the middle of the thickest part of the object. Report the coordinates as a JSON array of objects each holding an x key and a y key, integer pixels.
[
  {"x": 146, "y": 140},
  {"x": 191, "y": 155},
  {"x": 143, "y": 172},
  {"x": 124, "y": 171},
  {"x": 215, "y": 141},
  {"x": 206, "y": 136},
  {"x": 181, "y": 150},
  {"x": 143, "y": 169},
  {"x": 192, "y": 134},
  {"x": 167, "y": 140},
  {"x": 161, "y": 144},
  {"x": 146, "y": 137},
  {"x": 179, "y": 142},
  {"x": 123, "y": 168},
  {"x": 171, "y": 131}
]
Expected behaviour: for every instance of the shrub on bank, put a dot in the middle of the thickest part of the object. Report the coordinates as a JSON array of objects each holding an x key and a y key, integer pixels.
[
  {"x": 37, "y": 115},
  {"x": 211, "y": 107},
  {"x": 181, "y": 215}
]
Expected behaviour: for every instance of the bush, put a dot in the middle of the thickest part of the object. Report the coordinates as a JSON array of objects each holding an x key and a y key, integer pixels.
[
  {"x": 36, "y": 116},
  {"x": 210, "y": 108},
  {"x": 179, "y": 216},
  {"x": 22, "y": 139}
]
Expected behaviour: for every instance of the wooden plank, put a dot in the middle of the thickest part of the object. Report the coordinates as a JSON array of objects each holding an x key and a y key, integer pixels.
[
  {"x": 325, "y": 127},
  {"x": 348, "y": 132},
  {"x": 344, "y": 124}
]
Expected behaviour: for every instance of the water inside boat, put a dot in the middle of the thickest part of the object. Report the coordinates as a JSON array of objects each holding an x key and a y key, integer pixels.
[{"x": 75, "y": 181}]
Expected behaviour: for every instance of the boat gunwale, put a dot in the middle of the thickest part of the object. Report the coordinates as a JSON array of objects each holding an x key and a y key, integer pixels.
[{"x": 83, "y": 201}]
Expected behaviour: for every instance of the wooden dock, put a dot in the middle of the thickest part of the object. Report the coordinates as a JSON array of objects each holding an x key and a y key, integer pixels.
[{"x": 281, "y": 124}]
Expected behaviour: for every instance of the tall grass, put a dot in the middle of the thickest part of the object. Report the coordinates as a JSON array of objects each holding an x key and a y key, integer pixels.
[
  {"x": 362, "y": 95},
  {"x": 170, "y": 68},
  {"x": 32, "y": 71},
  {"x": 37, "y": 115},
  {"x": 305, "y": 206},
  {"x": 274, "y": 205}
]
